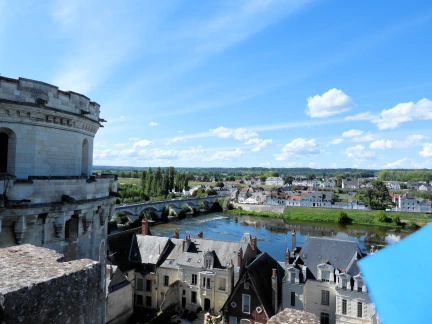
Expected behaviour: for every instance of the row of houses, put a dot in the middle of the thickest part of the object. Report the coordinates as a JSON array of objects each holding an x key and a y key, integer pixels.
[
  {"x": 235, "y": 280},
  {"x": 408, "y": 203}
]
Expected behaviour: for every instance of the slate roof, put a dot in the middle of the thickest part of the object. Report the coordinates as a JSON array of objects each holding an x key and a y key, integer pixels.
[
  {"x": 119, "y": 245},
  {"x": 223, "y": 252},
  {"x": 339, "y": 253},
  {"x": 148, "y": 249},
  {"x": 259, "y": 272}
]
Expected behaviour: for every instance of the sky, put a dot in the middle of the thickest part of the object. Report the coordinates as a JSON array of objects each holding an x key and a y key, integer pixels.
[{"x": 244, "y": 83}]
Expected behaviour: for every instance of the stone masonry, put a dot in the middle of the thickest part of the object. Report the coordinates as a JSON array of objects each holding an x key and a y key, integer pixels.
[{"x": 37, "y": 286}]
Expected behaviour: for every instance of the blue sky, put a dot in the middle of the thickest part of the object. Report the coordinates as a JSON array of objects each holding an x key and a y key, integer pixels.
[{"x": 292, "y": 83}]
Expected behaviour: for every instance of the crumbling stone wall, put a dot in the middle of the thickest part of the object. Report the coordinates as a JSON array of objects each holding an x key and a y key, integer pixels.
[{"x": 40, "y": 289}]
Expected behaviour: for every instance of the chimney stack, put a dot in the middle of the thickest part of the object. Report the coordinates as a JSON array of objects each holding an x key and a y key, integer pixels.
[
  {"x": 240, "y": 257},
  {"x": 200, "y": 234},
  {"x": 254, "y": 243},
  {"x": 287, "y": 256},
  {"x": 144, "y": 227},
  {"x": 186, "y": 243},
  {"x": 274, "y": 283},
  {"x": 294, "y": 243},
  {"x": 176, "y": 234}
]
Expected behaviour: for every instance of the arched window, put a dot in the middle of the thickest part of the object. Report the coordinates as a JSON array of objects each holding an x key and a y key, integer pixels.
[
  {"x": 85, "y": 158},
  {"x": 7, "y": 150}
]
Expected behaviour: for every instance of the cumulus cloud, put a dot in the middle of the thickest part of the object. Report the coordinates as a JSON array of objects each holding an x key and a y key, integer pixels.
[
  {"x": 359, "y": 152},
  {"x": 394, "y": 144},
  {"x": 365, "y": 138},
  {"x": 352, "y": 133},
  {"x": 153, "y": 124},
  {"x": 404, "y": 112},
  {"x": 362, "y": 116},
  {"x": 330, "y": 103},
  {"x": 427, "y": 150},
  {"x": 226, "y": 155},
  {"x": 240, "y": 134},
  {"x": 336, "y": 141},
  {"x": 259, "y": 143},
  {"x": 298, "y": 147},
  {"x": 142, "y": 143}
]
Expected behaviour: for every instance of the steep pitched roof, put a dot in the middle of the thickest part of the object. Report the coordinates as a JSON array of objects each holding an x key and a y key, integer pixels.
[
  {"x": 148, "y": 249},
  {"x": 259, "y": 272},
  {"x": 119, "y": 245},
  {"x": 338, "y": 253},
  {"x": 223, "y": 252}
]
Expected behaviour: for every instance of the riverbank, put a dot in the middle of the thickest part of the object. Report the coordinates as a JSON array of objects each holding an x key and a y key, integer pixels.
[{"x": 361, "y": 217}]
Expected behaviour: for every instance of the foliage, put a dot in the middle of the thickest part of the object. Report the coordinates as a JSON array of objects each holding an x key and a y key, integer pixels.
[
  {"x": 342, "y": 218},
  {"x": 403, "y": 186},
  {"x": 396, "y": 220},
  {"x": 211, "y": 192},
  {"x": 376, "y": 196},
  {"x": 381, "y": 217},
  {"x": 263, "y": 178},
  {"x": 120, "y": 218},
  {"x": 339, "y": 178},
  {"x": 405, "y": 175},
  {"x": 219, "y": 184}
]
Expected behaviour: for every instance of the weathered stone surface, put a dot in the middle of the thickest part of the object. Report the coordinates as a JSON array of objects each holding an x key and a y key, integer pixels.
[
  {"x": 293, "y": 316},
  {"x": 37, "y": 287}
]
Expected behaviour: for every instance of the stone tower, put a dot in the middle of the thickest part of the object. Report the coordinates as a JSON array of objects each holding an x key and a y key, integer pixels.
[{"x": 48, "y": 195}]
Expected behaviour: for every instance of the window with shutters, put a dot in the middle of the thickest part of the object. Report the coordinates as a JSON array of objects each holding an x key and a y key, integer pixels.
[
  {"x": 344, "y": 306},
  {"x": 359, "y": 310},
  {"x": 246, "y": 304}
]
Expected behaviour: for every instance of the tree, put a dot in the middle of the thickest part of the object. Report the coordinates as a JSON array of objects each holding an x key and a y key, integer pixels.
[
  {"x": 403, "y": 186},
  {"x": 275, "y": 174},
  {"x": 289, "y": 180},
  {"x": 263, "y": 178},
  {"x": 339, "y": 178},
  {"x": 143, "y": 180},
  {"x": 343, "y": 218},
  {"x": 219, "y": 184}
]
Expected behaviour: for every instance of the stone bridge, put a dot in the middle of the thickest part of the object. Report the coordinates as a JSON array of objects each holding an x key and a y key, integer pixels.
[{"x": 134, "y": 210}]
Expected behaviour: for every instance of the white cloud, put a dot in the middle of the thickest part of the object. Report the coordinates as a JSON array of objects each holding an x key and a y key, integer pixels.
[
  {"x": 142, "y": 143},
  {"x": 314, "y": 165},
  {"x": 427, "y": 150},
  {"x": 330, "y": 103},
  {"x": 336, "y": 141},
  {"x": 226, "y": 155},
  {"x": 259, "y": 143},
  {"x": 396, "y": 164},
  {"x": 365, "y": 138},
  {"x": 394, "y": 144},
  {"x": 362, "y": 116},
  {"x": 240, "y": 134},
  {"x": 298, "y": 147},
  {"x": 175, "y": 140},
  {"x": 120, "y": 144},
  {"x": 404, "y": 112},
  {"x": 405, "y": 163},
  {"x": 359, "y": 152},
  {"x": 153, "y": 124},
  {"x": 265, "y": 164},
  {"x": 352, "y": 133},
  {"x": 180, "y": 132},
  {"x": 134, "y": 139}
]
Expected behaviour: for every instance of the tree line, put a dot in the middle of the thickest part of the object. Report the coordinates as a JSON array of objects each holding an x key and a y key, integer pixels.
[{"x": 405, "y": 175}]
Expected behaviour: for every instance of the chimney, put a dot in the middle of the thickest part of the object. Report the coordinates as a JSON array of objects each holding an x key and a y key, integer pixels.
[
  {"x": 287, "y": 256},
  {"x": 176, "y": 234},
  {"x": 294, "y": 243},
  {"x": 186, "y": 243},
  {"x": 200, "y": 234},
  {"x": 240, "y": 257},
  {"x": 254, "y": 243},
  {"x": 274, "y": 284},
  {"x": 144, "y": 227}
]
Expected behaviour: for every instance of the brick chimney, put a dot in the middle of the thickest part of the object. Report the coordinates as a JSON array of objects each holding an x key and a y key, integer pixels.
[
  {"x": 176, "y": 234},
  {"x": 240, "y": 257},
  {"x": 294, "y": 243},
  {"x": 274, "y": 283},
  {"x": 287, "y": 256},
  {"x": 144, "y": 227},
  {"x": 254, "y": 243},
  {"x": 200, "y": 234}
]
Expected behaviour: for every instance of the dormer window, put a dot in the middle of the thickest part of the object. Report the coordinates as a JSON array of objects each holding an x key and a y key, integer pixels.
[
  {"x": 208, "y": 260},
  {"x": 325, "y": 275},
  {"x": 344, "y": 283}
]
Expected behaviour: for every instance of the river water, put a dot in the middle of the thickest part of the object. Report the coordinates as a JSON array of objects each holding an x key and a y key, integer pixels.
[{"x": 274, "y": 235}]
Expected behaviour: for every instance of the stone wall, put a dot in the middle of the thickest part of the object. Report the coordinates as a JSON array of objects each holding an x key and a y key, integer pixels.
[
  {"x": 36, "y": 287},
  {"x": 261, "y": 208}
]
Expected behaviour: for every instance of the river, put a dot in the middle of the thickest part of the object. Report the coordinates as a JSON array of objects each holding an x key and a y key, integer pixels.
[{"x": 274, "y": 235}]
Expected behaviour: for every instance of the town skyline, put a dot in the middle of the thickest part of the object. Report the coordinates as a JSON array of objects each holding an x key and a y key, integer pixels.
[{"x": 278, "y": 84}]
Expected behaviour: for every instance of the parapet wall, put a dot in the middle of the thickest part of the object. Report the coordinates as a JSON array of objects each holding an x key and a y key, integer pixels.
[
  {"x": 36, "y": 92},
  {"x": 37, "y": 287}
]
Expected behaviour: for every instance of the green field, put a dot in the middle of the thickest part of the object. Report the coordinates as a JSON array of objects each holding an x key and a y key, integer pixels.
[{"x": 330, "y": 215}]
